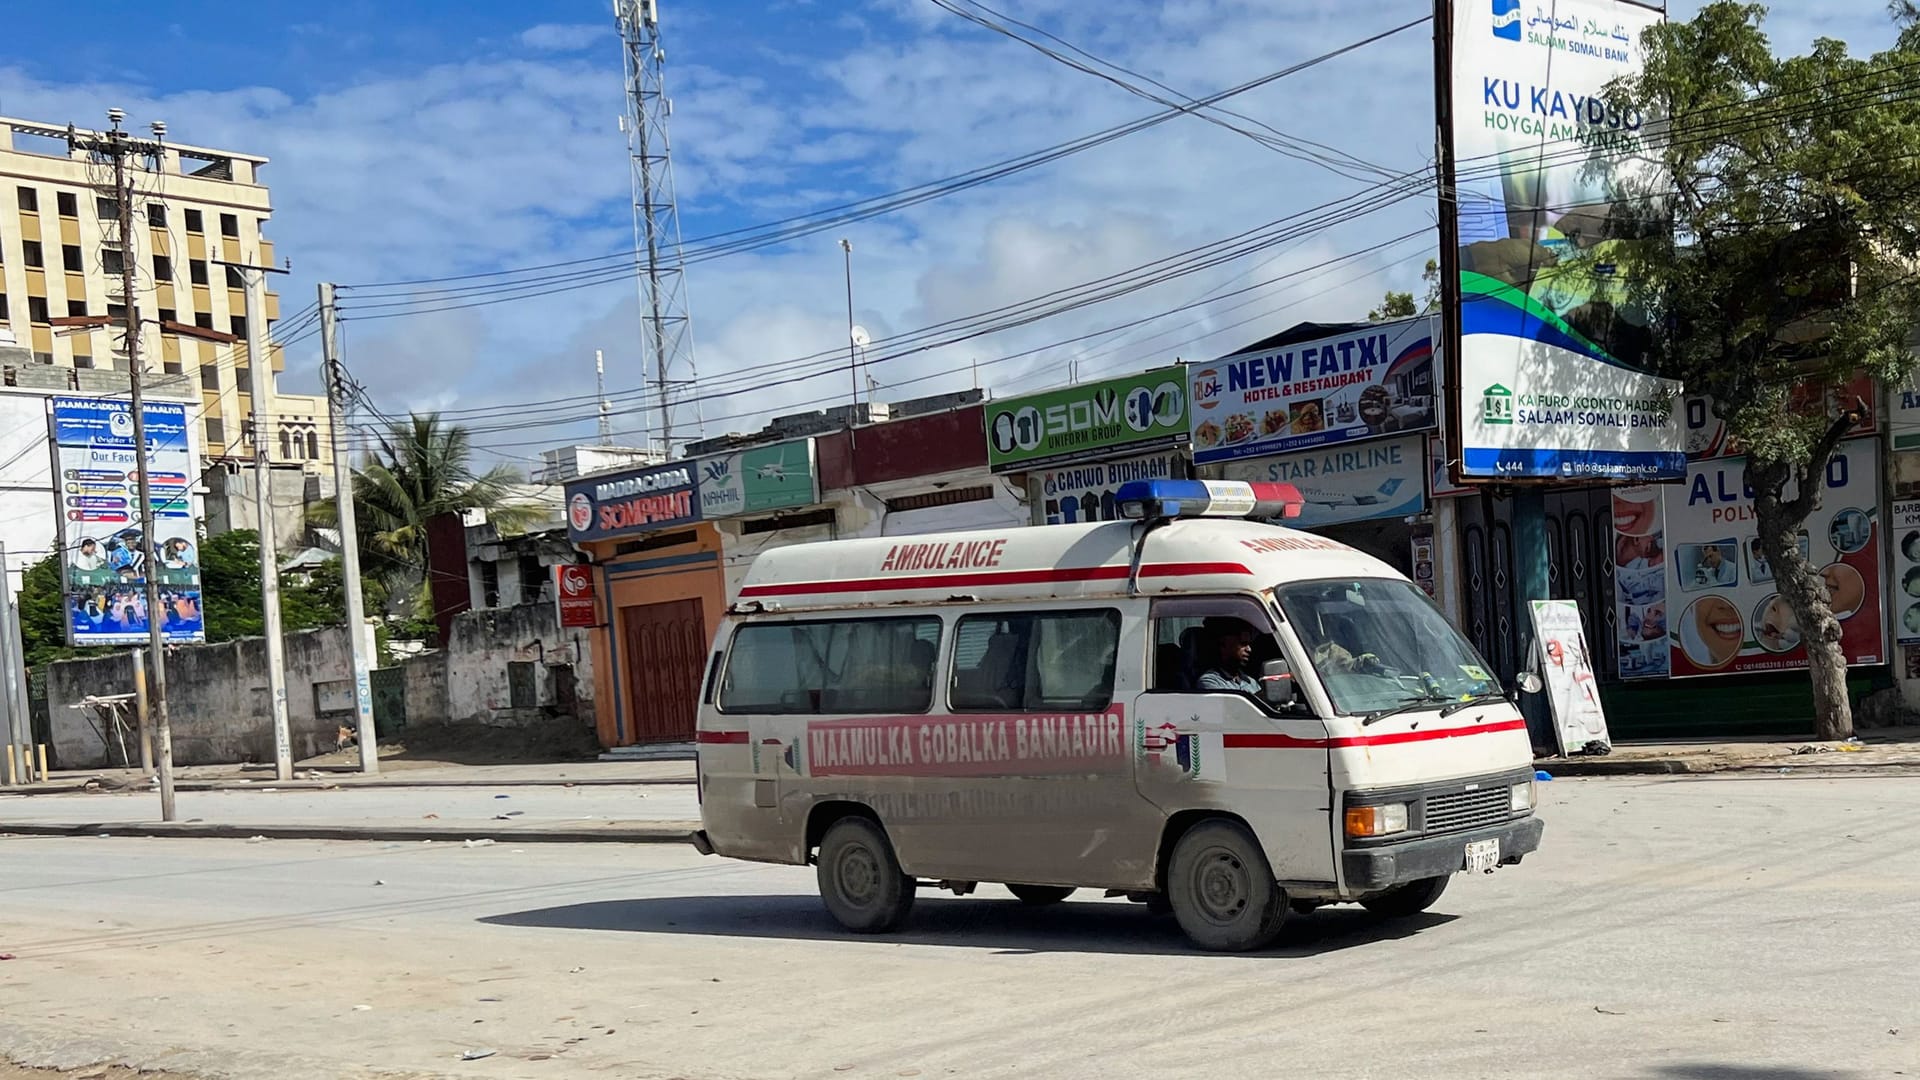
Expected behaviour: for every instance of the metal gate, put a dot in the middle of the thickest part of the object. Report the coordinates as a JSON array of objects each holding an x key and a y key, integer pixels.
[
  {"x": 1579, "y": 567},
  {"x": 389, "y": 688},
  {"x": 663, "y": 654}
]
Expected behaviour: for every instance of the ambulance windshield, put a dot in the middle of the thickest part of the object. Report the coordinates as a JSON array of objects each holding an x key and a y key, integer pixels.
[{"x": 1378, "y": 643}]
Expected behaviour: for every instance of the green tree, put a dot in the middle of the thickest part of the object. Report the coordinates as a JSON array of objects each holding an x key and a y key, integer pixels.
[
  {"x": 231, "y": 593},
  {"x": 422, "y": 469},
  {"x": 43, "y": 615},
  {"x": 1396, "y": 305},
  {"x": 1794, "y": 188}
]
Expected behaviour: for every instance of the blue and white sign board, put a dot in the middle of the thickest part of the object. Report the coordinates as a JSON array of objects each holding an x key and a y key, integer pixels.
[
  {"x": 102, "y": 534},
  {"x": 1385, "y": 478}
]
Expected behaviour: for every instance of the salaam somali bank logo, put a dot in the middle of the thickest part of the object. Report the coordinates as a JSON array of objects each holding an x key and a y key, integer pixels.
[
  {"x": 1506, "y": 19},
  {"x": 580, "y": 512}
]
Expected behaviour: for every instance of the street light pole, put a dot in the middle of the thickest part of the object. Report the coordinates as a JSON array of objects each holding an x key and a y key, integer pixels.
[
  {"x": 853, "y": 355},
  {"x": 349, "y": 535}
]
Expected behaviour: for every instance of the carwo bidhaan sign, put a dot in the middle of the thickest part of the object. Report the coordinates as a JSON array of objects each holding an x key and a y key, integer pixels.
[{"x": 573, "y": 591}]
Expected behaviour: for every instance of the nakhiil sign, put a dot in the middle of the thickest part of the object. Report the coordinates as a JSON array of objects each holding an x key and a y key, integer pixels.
[{"x": 639, "y": 500}]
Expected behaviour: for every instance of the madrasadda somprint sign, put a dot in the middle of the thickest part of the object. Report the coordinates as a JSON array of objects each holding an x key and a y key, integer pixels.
[{"x": 1552, "y": 377}]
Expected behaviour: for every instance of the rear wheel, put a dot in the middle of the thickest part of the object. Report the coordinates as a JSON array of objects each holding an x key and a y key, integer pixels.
[
  {"x": 1222, "y": 889},
  {"x": 1039, "y": 895},
  {"x": 1409, "y": 899},
  {"x": 860, "y": 879}
]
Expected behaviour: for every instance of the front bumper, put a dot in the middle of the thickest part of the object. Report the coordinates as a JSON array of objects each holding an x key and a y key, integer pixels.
[{"x": 1386, "y": 865}]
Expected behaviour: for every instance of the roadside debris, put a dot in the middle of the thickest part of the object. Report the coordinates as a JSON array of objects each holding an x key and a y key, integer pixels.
[
  {"x": 476, "y": 1055},
  {"x": 482, "y": 842}
]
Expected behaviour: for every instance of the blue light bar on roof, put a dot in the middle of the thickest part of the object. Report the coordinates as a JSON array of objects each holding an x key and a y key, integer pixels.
[{"x": 1140, "y": 499}]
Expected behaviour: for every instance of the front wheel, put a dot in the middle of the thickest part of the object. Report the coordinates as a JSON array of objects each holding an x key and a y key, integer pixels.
[
  {"x": 1409, "y": 899},
  {"x": 1222, "y": 889},
  {"x": 860, "y": 879},
  {"x": 1040, "y": 895}
]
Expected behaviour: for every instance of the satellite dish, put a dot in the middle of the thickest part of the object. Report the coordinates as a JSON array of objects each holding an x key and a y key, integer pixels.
[{"x": 861, "y": 337}]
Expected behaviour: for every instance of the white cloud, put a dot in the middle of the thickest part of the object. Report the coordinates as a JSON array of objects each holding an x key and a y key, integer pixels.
[{"x": 564, "y": 37}]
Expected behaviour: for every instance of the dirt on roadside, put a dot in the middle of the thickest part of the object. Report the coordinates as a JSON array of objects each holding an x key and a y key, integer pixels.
[{"x": 9, "y": 1071}]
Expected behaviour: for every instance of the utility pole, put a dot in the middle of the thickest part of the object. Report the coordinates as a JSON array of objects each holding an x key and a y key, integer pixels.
[
  {"x": 260, "y": 365},
  {"x": 118, "y": 145},
  {"x": 12, "y": 641},
  {"x": 600, "y": 392},
  {"x": 853, "y": 345},
  {"x": 349, "y": 534}
]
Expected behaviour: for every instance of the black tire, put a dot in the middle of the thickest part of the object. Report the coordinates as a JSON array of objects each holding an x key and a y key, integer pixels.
[
  {"x": 860, "y": 879},
  {"x": 1222, "y": 888},
  {"x": 1040, "y": 895},
  {"x": 1410, "y": 899}
]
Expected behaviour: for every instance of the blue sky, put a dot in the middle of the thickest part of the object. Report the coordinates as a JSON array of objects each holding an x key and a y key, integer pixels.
[{"x": 428, "y": 138}]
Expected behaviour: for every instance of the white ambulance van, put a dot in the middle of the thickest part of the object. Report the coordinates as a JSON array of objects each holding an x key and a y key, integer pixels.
[{"x": 1225, "y": 718}]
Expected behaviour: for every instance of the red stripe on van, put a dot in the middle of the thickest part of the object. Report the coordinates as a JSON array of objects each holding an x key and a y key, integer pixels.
[
  {"x": 721, "y": 737},
  {"x": 1276, "y": 741},
  {"x": 992, "y": 577}
]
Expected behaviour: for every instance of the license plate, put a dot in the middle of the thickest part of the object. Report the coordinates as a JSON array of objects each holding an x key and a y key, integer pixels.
[{"x": 1483, "y": 855}]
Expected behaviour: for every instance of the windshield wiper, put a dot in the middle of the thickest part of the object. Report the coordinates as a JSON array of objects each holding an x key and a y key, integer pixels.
[
  {"x": 1425, "y": 701},
  {"x": 1470, "y": 702}
]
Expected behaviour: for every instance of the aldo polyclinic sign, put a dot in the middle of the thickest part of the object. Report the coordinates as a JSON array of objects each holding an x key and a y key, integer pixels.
[{"x": 638, "y": 500}]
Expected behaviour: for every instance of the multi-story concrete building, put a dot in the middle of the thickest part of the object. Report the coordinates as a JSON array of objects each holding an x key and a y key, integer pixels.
[{"x": 61, "y": 254}]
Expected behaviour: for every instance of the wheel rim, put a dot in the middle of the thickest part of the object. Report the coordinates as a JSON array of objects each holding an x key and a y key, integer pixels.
[
  {"x": 856, "y": 874},
  {"x": 1221, "y": 886}
]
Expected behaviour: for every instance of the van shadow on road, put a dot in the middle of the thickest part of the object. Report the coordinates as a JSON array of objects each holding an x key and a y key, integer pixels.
[{"x": 1005, "y": 925}]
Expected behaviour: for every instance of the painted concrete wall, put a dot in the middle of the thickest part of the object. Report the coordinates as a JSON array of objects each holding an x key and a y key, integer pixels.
[
  {"x": 469, "y": 681},
  {"x": 217, "y": 701}
]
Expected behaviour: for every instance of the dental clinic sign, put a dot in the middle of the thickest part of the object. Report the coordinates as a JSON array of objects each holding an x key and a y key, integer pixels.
[{"x": 1133, "y": 414}]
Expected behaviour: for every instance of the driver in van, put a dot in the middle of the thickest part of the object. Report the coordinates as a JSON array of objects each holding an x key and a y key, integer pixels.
[{"x": 1233, "y": 645}]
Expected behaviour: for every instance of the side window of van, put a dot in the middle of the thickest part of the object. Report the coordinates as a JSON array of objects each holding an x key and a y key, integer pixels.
[
  {"x": 1035, "y": 661},
  {"x": 832, "y": 667},
  {"x": 1185, "y": 647}
]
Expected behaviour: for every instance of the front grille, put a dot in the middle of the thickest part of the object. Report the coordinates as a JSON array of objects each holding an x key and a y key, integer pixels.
[{"x": 1457, "y": 810}]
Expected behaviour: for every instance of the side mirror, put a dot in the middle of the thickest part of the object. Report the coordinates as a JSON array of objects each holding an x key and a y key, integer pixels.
[
  {"x": 1277, "y": 687},
  {"x": 1528, "y": 683}
]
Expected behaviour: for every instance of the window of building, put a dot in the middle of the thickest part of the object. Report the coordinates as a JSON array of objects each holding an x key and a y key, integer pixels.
[
  {"x": 76, "y": 307},
  {"x": 210, "y": 377},
  {"x": 1035, "y": 661},
  {"x": 489, "y": 584},
  {"x": 229, "y": 226},
  {"x": 37, "y": 310},
  {"x": 3, "y": 308},
  {"x": 313, "y": 446},
  {"x": 238, "y": 323},
  {"x": 113, "y": 261},
  {"x": 43, "y": 358},
  {"x": 194, "y": 223},
  {"x": 71, "y": 257},
  {"x": 171, "y": 366},
  {"x": 832, "y": 666},
  {"x": 68, "y": 203},
  {"x": 157, "y": 215},
  {"x": 236, "y": 279},
  {"x": 197, "y": 270},
  {"x": 82, "y": 361},
  {"x": 533, "y": 579},
  {"x": 168, "y": 315},
  {"x": 163, "y": 269},
  {"x": 29, "y": 199},
  {"x": 108, "y": 209},
  {"x": 286, "y": 445},
  {"x": 30, "y": 250},
  {"x": 216, "y": 432},
  {"x": 117, "y": 312},
  {"x": 203, "y": 320},
  {"x": 243, "y": 380}
]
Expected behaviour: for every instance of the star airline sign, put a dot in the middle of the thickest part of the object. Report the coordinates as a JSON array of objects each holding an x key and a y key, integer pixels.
[{"x": 636, "y": 501}]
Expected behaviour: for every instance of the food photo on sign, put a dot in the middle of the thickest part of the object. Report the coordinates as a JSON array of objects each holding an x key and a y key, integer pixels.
[{"x": 1732, "y": 617}]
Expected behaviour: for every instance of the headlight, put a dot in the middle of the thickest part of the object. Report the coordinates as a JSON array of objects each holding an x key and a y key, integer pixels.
[
  {"x": 1365, "y": 821},
  {"x": 1520, "y": 797}
]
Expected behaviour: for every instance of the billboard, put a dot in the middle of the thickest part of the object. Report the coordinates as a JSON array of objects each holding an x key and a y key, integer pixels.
[
  {"x": 633, "y": 501},
  {"x": 104, "y": 552},
  {"x": 1728, "y": 617},
  {"x": 1088, "y": 421},
  {"x": 1551, "y": 376},
  {"x": 763, "y": 479},
  {"x": 1358, "y": 385},
  {"x": 574, "y": 594},
  {"x": 1079, "y": 493},
  {"x": 1381, "y": 479}
]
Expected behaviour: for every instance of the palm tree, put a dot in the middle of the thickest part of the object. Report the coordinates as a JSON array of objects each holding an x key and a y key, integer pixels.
[{"x": 422, "y": 470}]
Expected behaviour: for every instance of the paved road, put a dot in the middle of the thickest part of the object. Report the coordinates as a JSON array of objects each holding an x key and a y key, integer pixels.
[
  {"x": 1729, "y": 929},
  {"x": 495, "y": 810}
]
